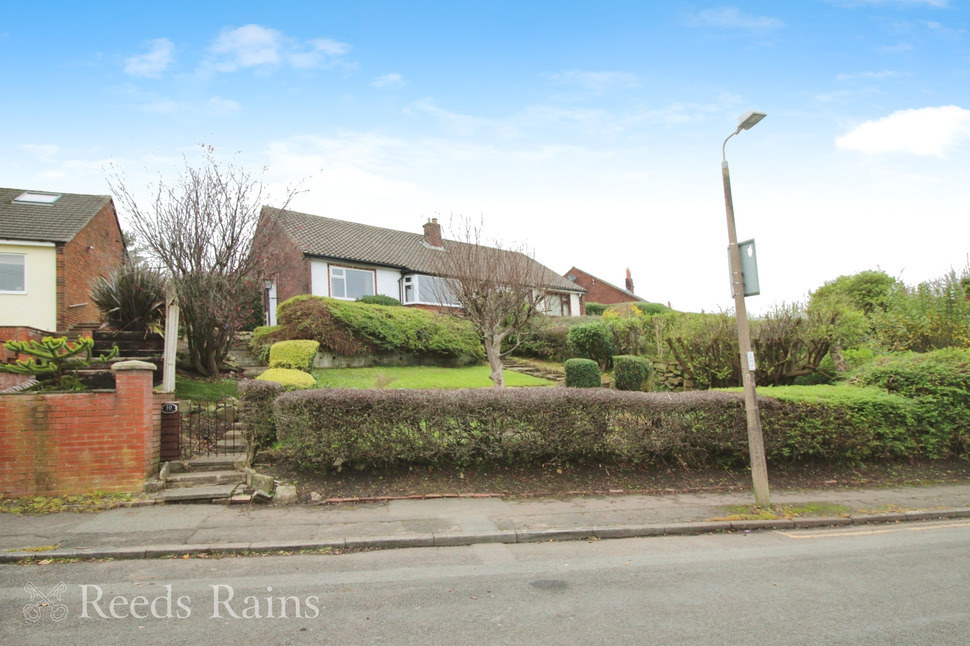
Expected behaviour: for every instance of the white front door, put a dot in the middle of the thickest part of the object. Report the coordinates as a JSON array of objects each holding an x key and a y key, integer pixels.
[{"x": 269, "y": 303}]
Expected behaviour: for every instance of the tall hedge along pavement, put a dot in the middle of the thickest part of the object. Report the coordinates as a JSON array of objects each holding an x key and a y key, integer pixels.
[{"x": 366, "y": 429}]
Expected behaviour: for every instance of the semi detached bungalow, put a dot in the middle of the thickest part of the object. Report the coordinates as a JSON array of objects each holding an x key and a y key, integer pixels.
[{"x": 310, "y": 254}]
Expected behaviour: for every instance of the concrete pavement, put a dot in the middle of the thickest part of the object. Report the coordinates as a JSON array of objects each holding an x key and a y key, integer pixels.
[{"x": 173, "y": 530}]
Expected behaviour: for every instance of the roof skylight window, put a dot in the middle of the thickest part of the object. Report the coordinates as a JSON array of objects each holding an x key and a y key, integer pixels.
[{"x": 36, "y": 198}]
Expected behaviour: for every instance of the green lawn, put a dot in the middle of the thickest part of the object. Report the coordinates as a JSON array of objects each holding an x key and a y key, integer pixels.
[
  {"x": 418, "y": 377},
  {"x": 198, "y": 388}
]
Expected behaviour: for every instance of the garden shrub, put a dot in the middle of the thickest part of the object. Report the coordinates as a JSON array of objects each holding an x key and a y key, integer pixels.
[
  {"x": 297, "y": 354},
  {"x": 544, "y": 338},
  {"x": 257, "y": 398},
  {"x": 651, "y": 309},
  {"x": 289, "y": 378},
  {"x": 592, "y": 341},
  {"x": 630, "y": 372},
  {"x": 131, "y": 297},
  {"x": 261, "y": 341},
  {"x": 349, "y": 328},
  {"x": 583, "y": 373},
  {"x": 939, "y": 383},
  {"x": 595, "y": 309},
  {"x": 366, "y": 429},
  {"x": 379, "y": 299}
]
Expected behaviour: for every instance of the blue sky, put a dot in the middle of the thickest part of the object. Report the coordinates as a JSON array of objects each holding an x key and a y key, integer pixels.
[{"x": 589, "y": 131}]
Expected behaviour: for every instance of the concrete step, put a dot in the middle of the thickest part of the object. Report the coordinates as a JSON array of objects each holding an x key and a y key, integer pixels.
[
  {"x": 208, "y": 494},
  {"x": 213, "y": 462},
  {"x": 203, "y": 478},
  {"x": 230, "y": 447}
]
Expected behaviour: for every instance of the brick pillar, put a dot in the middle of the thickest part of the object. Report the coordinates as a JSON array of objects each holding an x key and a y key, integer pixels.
[{"x": 133, "y": 382}]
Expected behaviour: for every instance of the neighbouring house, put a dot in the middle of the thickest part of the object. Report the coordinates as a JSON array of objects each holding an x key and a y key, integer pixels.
[
  {"x": 53, "y": 246},
  {"x": 600, "y": 291},
  {"x": 311, "y": 254}
]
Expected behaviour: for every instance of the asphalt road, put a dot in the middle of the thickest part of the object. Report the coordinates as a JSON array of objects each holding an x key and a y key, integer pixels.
[{"x": 882, "y": 584}]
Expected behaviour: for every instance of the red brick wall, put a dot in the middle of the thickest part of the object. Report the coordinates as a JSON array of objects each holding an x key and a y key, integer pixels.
[
  {"x": 598, "y": 291},
  {"x": 78, "y": 266},
  {"x": 281, "y": 260},
  {"x": 72, "y": 443}
]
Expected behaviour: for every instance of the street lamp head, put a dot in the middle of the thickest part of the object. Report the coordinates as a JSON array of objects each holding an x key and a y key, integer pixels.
[{"x": 750, "y": 118}]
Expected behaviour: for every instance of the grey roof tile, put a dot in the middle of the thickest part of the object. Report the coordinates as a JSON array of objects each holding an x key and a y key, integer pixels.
[
  {"x": 326, "y": 237},
  {"x": 57, "y": 222}
]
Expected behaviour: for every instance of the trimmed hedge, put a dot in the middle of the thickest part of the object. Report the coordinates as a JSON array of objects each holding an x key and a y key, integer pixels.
[
  {"x": 367, "y": 429},
  {"x": 630, "y": 372},
  {"x": 257, "y": 410},
  {"x": 349, "y": 328},
  {"x": 939, "y": 384},
  {"x": 583, "y": 373},
  {"x": 289, "y": 378},
  {"x": 298, "y": 354}
]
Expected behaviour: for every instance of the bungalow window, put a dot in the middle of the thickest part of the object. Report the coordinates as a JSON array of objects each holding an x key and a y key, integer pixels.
[
  {"x": 428, "y": 290},
  {"x": 557, "y": 304},
  {"x": 13, "y": 273},
  {"x": 350, "y": 284}
]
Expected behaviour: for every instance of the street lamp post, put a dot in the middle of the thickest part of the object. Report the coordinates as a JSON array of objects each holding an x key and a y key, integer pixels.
[{"x": 756, "y": 443}]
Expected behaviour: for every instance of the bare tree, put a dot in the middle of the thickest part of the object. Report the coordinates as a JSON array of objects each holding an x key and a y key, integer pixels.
[
  {"x": 499, "y": 289},
  {"x": 200, "y": 228}
]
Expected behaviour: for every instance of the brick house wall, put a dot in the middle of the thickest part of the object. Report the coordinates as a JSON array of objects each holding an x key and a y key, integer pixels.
[
  {"x": 598, "y": 291},
  {"x": 94, "y": 252},
  {"x": 74, "y": 443},
  {"x": 281, "y": 260}
]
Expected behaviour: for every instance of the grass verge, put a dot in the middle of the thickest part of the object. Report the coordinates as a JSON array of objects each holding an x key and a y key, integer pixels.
[{"x": 419, "y": 377}]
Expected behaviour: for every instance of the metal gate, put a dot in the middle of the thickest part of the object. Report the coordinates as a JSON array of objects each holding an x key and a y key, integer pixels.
[{"x": 211, "y": 428}]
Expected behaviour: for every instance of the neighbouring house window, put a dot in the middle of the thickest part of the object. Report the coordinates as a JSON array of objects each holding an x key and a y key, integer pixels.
[
  {"x": 428, "y": 290},
  {"x": 350, "y": 284},
  {"x": 13, "y": 273}
]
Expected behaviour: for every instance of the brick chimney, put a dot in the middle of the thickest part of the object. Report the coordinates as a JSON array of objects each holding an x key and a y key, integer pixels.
[
  {"x": 629, "y": 280},
  {"x": 432, "y": 233}
]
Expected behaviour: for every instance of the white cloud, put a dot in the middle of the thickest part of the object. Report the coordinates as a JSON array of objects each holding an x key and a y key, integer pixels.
[
  {"x": 156, "y": 61},
  {"x": 733, "y": 18},
  {"x": 330, "y": 47},
  {"x": 261, "y": 47},
  {"x": 247, "y": 46},
  {"x": 897, "y": 48},
  {"x": 597, "y": 82},
  {"x": 884, "y": 74},
  {"x": 43, "y": 152},
  {"x": 922, "y": 131},
  {"x": 187, "y": 110},
  {"x": 388, "y": 80}
]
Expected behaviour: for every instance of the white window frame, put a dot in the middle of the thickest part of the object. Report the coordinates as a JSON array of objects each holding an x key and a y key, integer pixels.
[
  {"x": 23, "y": 266},
  {"x": 342, "y": 271},
  {"x": 413, "y": 281}
]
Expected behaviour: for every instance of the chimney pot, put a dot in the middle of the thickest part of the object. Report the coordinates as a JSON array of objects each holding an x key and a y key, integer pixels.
[{"x": 432, "y": 233}]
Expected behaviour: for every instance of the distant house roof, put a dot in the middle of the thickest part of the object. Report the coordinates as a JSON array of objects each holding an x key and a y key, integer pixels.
[
  {"x": 39, "y": 217},
  {"x": 626, "y": 292},
  {"x": 325, "y": 237}
]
